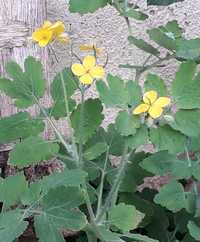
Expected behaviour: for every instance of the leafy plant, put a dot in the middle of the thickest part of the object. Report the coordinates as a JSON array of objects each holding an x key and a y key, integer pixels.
[{"x": 97, "y": 194}]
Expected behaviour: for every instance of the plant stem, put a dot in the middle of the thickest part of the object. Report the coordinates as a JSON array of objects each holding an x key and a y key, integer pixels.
[
  {"x": 147, "y": 67},
  {"x": 102, "y": 184},
  {"x": 115, "y": 187},
  {"x": 80, "y": 127},
  {"x": 75, "y": 155},
  {"x": 59, "y": 135}
]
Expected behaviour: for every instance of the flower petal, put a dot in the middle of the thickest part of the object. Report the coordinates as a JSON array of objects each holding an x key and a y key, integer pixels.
[
  {"x": 150, "y": 97},
  {"x": 47, "y": 24},
  {"x": 155, "y": 111},
  {"x": 63, "y": 38},
  {"x": 97, "y": 72},
  {"x": 162, "y": 101},
  {"x": 42, "y": 36},
  {"x": 86, "y": 79},
  {"x": 89, "y": 62},
  {"x": 58, "y": 28},
  {"x": 90, "y": 48},
  {"x": 142, "y": 108},
  {"x": 78, "y": 69}
]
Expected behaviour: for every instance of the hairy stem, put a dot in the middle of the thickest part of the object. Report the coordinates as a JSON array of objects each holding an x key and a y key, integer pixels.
[
  {"x": 75, "y": 153},
  {"x": 99, "y": 204},
  {"x": 115, "y": 187}
]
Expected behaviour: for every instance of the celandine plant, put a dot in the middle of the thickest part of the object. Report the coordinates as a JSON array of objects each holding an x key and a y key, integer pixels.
[{"x": 90, "y": 197}]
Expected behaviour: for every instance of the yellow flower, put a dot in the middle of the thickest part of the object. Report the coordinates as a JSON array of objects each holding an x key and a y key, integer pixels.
[
  {"x": 152, "y": 104},
  {"x": 91, "y": 48},
  {"x": 88, "y": 70},
  {"x": 50, "y": 32}
]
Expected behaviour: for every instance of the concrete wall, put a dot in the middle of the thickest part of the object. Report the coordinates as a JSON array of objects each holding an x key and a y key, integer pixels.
[{"x": 109, "y": 31}]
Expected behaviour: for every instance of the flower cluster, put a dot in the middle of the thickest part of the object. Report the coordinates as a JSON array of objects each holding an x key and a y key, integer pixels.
[
  {"x": 88, "y": 70},
  {"x": 50, "y": 32},
  {"x": 152, "y": 104}
]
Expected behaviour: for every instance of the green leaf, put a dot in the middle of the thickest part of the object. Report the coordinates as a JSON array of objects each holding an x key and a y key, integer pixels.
[
  {"x": 12, "y": 225},
  {"x": 140, "y": 138},
  {"x": 154, "y": 82},
  {"x": 67, "y": 178},
  {"x": 171, "y": 196},
  {"x": 162, "y": 163},
  {"x": 165, "y": 138},
  {"x": 167, "y": 35},
  {"x": 134, "y": 93},
  {"x": 162, "y": 2},
  {"x": 194, "y": 230},
  {"x": 127, "y": 123},
  {"x": 143, "y": 45},
  {"x": 86, "y": 6},
  {"x": 71, "y": 84},
  {"x": 95, "y": 151},
  {"x": 115, "y": 94},
  {"x": 133, "y": 174},
  {"x": 188, "y": 49},
  {"x": 46, "y": 230},
  {"x": 114, "y": 140},
  {"x": 12, "y": 188},
  {"x": 90, "y": 121},
  {"x": 187, "y": 122},
  {"x": 59, "y": 198},
  {"x": 140, "y": 238},
  {"x": 25, "y": 86},
  {"x": 133, "y": 13},
  {"x": 108, "y": 236},
  {"x": 185, "y": 89},
  {"x": 125, "y": 217},
  {"x": 31, "y": 151},
  {"x": 144, "y": 206},
  {"x": 32, "y": 194},
  {"x": 59, "y": 218},
  {"x": 19, "y": 125}
]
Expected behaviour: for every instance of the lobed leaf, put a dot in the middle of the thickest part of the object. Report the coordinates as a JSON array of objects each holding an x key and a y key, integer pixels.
[
  {"x": 25, "y": 87},
  {"x": 19, "y": 125},
  {"x": 87, "y": 122},
  {"x": 31, "y": 151}
]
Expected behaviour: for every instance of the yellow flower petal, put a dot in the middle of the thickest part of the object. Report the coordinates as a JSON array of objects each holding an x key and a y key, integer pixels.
[
  {"x": 97, "y": 72},
  {"x": 162, "y": 101},
  {"x": 150, "y": 97},
  {"x": 86, "y": 47},
  {"x": 47, "y": 24},
  {"x": 42, "y": 36},
  {"x": 58, "y": 28},
  {"x": 142, "y": 108},
  {"x": 155, "y": 111},
  {"x": 86, "y": 79},
  {"x": 78, "y": 69},
  {"x": 63, "y": 38},
  {"x": 90, "y": 48},
  {"x": 89, "y": 62}
]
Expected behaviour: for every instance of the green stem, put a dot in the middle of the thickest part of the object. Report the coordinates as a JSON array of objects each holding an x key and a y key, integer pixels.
[
  {"x": 75, "y": 155},
  {"x": 100, "y": 196},
  {"x": 59, "y": 135},
  {"x": 80, "y": 127},
  {"x": 115, "y": 188}
]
